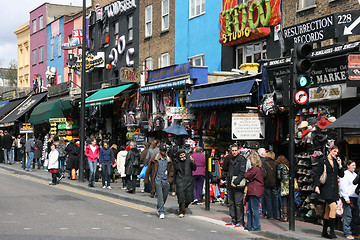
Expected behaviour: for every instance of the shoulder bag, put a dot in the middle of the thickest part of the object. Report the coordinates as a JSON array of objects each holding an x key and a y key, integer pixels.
[{"x": 242, "y": 183}]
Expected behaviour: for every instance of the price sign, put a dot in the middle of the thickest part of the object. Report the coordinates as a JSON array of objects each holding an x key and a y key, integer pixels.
[{"x": 301, "y": 97}]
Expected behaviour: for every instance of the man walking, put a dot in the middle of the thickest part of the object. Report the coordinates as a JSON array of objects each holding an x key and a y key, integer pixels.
[
  {"x": 161, "y": 169},
  {"x": 7, "y": 144},
  {"x": 153, "y": 150},
  {"x": 132, "y": 167},
  {"x": 29, "y": 149},
  {"x": 237, "y": 169}
]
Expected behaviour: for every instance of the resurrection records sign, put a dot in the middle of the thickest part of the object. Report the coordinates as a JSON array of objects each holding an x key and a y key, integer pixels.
[
  {"x": 353, "y": 61},
  {"x": 246, "y": 126}
]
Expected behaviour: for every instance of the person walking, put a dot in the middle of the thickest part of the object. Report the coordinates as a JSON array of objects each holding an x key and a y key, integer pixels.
[
  {"x": 161, "y": 170},
  {"x": 62, "y": 154},
  {"x": 198, "y": 174},
  {"x": 255, "y": 190},
  {"x": 37, "y": 153},
  {"x": 20, "y": 150},
  {"x": 120, "y": 159},
  {"x": 92, "y": 152},
  {"x": 329, "y": 191},
  {"x": 7, "y": 144},
  {"x": 271, "y": 187},
  {"x": 29, "y": 149},
  {"x": 237, "y": 169},
  {"x": 153, "y": 150},
  {"x": 143, "y": 164},
  {"x": 132, "y": 167},
  {"x": 53, "y": 165},
  {"x": 1, "y": 146},
  {"x": 114, "y": 149},
  {"x": 282, "y": 173},
  {"x": 183, "y": 167},
  {"x": 106, "y": 159},
  {"x": 349, "y": 199},
  {"x": 73, "y": 151}
]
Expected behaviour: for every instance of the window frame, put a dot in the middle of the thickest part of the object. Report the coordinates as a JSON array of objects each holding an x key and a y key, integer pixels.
[
  {"x": 130, "y": 29},
  {"x": 41, "y": 22},
  {"x": 308, "y": 6},
  {"x": 149, "y": 60},
  {"x": 34, "y": 56},
  {"x": 165, "y": 17},
  {"x": 148, "y": 21},
  {"x": 193, "y": 5},
  {"x": 34, "y": 25},
  {"x": 161, "y": 62},
  {"x": 194, "y": 58},
  {"x": 262, "y": 51},
  {"x": 41, "y": 54}
]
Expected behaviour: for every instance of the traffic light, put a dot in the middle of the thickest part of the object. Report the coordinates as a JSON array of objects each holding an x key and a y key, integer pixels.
[
  {"x": 281, "y": 95},
  {"x": 301, "y": 72}
]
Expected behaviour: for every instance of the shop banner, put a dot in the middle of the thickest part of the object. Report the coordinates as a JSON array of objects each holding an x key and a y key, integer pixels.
[
  {"x": 163, "y": 85},
  {"x": 245, "y": 126},
  {"x": 329, "y": 71},
  {"x": 179, "y": 113},
  {"x": 332, "y": 92},
  {"x": 26, "y": 128},
  {"x": 167, "y": 72},
  {"x": 353, "y": 61}
]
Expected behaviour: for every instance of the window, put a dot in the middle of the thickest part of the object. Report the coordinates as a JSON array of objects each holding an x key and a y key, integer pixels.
[
  {"x": 306, "y": 3},
  {"x": 41, "y": 23},
  {"x": 130, "y": 27},
  {"x": 197, "y": 7},
  {"x": 164, "y": 60},
  {"x": 165, "y": 15},
  {"x": 197, "y": 60},
  {"x": 52, "y": 48},
  {"x": 58, "y": 79},
  {"x": 41, "y": 54},
  {"x": 251, "y": 53},
  {"x": 116, "y": 28},
  {"x": 149, "y": 63},
  {"x": 148, "y": 21},
  {"x": 34, "y": 56},
  {"x": 59, "y": 45},
  {"x": 34, "y": 25}
]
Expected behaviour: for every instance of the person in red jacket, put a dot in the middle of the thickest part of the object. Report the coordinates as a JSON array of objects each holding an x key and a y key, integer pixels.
[
  {"x": 92, "y": 152},
  {"x": 256, "y": 189}
]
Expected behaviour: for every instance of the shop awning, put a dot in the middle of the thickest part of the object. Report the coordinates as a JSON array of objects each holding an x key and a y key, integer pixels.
[
  {"x": 169, "y": 84},
  {"x": 22, "y": 108},
  {"x": 105, "y": 96},
  {"x": 10, "y": 106},
  {"x": 3, "y": 103},
  {"x": 232, "y": 93},
  {"x": 50, "y": 109}
]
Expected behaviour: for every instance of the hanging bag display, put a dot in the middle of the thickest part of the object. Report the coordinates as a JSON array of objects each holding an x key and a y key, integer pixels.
[{"x": 323, "y": 176}]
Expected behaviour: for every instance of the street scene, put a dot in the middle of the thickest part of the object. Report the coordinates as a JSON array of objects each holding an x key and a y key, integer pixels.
[{"x": 183, "y": 119}]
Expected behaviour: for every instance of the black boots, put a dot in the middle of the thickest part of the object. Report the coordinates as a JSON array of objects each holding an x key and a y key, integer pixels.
[
  {"x": 329, "y": 223},
  {"x": 325, "y": 228},
  {"x": 284, "y": 214}
]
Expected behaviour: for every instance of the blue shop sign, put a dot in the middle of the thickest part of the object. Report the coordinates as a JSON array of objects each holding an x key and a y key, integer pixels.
[
  {"x": 163, "y": 85},
  {"x": 171, "y": 71}
]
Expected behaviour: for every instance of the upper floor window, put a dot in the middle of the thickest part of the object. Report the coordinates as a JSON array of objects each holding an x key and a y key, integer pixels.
[
  {"x": 41, "y": 54},
  {"x": 149, "y": 63},
  {"x": 250, "y": 53},
  {"x": 34, "y": 57},
  {"x": 164, "y": 60},
  {"x": 130, "y": 22},
  {"x": 197, "y": 60},
  {"x": 165, "y": 15},
  {"x": 306, "y": 3},
  {"x": 52, "y": 48},
  {"x": 148, "y": 21},
  {"x": 34, "y": 25},
  {"x": 59, "y": 45},
  {"x": 41, "y": 23},
  {"x": 197, "y": 7}
]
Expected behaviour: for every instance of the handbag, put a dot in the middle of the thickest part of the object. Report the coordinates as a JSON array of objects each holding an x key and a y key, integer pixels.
[
  {"x": 323, "y": 176},
  {"x": 143, "y": 172},
  {"x": 242, "y": 183},
  {"x": 284, "y": 188}
]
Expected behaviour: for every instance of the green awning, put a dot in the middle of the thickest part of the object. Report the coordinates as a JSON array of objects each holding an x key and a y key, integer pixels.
[
  {"x": 105, "y": 96},
  {"x": 50, "y": 109}
]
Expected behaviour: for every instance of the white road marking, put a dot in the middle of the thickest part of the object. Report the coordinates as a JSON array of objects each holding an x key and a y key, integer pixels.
[
  {"x": 70, "y": 213},
  {"x": 125, "y": 215},
  {"x": 42, "y": 214},
  {"x": 63, "y": 228},
  {"x": 215, "y": 221},
  {"x": 100, "y": 214},
  {"x": 127, "y": 228},
  {"x": 27, "y": 228},
  {"x": 10, "y": 214},
  {"x": 158, "y": 229},
  {"x": 213, "y": 231},
  {"x": 96, "y": 228},
  {"x": 191, "y": 230}
]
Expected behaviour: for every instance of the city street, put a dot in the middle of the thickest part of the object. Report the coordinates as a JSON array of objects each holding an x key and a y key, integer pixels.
[{"x": 31, "y": 209}]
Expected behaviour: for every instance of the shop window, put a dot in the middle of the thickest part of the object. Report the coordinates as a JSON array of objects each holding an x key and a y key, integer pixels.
[
  {"x": 130, "y": 21},
  {"x": 197, "y": 7},
  {"x": 306, "y": 3},
  {"x": 52, "y": 48},
  {"x": 41, "y": 22},
  {"x": 34, "y": 25},
  {"x": 148, "y": 21},
  {"x": 165, "y": 15},
  {"x": 149, "y": 63},
  {"x": 41, "y": 54},
  {"x": 250, "y": 53},
  {"x": 34, "y": 57},
  {"x": 197, "y": 60},
  {"x": 59, "y": 45},
  {"x": 164, "y": 60}
]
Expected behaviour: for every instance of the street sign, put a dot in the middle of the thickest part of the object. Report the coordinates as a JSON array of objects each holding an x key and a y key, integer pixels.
[
  {"x": 347, "y": 23},
  {"x": 301, "y": 97},
  {"x": 353, "y": 60}
]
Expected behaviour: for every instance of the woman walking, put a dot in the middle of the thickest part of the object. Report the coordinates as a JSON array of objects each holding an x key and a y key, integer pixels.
[
  {"x": 329, "y": 190},
  {"x": 92, "y": 152},
  {"x": 120, "y": 160},
  {"x": 73, "y": 161},
  {"x": 256, "y": 189},
  {"x": 54, "y": 164},
  {"x": 106, "y": 158},
  {"x": 283, "y": 176}
]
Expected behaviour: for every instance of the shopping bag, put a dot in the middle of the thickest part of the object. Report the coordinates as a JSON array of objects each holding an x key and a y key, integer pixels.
[{"x": 143, "y": 172}]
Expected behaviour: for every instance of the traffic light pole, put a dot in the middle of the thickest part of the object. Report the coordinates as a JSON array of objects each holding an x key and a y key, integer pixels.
[{"x": 292, "y": 150}]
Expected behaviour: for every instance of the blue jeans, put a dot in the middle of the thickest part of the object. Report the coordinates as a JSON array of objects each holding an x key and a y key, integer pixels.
[
  {"x": 253, "y": 216},
  {"x": 12, "y": 159},
  {"x": 272, "y": 202},
  {"x": 92, "y": 167},
  {"x": 30, "y": 156},
  {"x": 62, "y": 163},
  {"x": 106, "y": 171},
  {"x": 7, "y": 155},
  {"x": 162, "y": 191},
  {"x": 350, "y": 217}
]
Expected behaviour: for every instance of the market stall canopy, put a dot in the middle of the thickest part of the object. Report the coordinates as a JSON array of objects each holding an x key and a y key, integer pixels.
[
  {"x": 3, "y": 103},
  {"x": 231, "y": 93},
  {"x": 50, "y": 109},
  {"x": 105, "y": 96},
  {"x": 351, "y": 119},
  {"x": 21, "y": 108},
  {"x": 176, "y": 130}
]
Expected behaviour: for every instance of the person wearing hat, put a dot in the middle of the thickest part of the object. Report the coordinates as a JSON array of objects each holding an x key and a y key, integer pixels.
[
  {"x": 329, "y": 190},
  {"x": 132, "y": 167},
  {"x": 161, "y": 170},
  {"x": 183, "y": 167}
]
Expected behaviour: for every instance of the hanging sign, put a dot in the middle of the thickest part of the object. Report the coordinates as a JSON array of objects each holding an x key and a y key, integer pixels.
[
  {"x": 129, "y": 75},
  {"x": 26, "y": 128},
  {"x": 353, "y": 60},
  {"x": 246, "y": 126}
]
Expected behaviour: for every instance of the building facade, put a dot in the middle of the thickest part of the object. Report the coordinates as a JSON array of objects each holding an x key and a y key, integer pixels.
[{"x": 23, "y": 42}]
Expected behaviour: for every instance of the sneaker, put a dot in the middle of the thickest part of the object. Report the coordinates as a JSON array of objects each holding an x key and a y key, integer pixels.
[
  {"x": 162, "y": 216},
  {"x": 229, "y": 224},
  {"x": 61, "y": 177},
  {"x": 104, "y": 186},
  {"x": 152, "y": 195},
  {"x": 181, "y": 215},
  {"x": 108, "y": 187},
  {"x": 238, "y": 225},
  {"x": 350, "y": 237}
]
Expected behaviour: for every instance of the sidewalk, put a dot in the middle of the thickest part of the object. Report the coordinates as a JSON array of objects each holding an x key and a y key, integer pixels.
[{"x": 218, "y": 213}]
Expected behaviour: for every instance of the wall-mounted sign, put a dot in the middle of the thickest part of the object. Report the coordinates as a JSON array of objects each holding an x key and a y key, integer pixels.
[
  {"x": 348, "y": 23},
  {"x": 8, "y": 95},
  {"x": 92, "y": 61},
  {"x": 247, "y": 21},
  {"x": 325, "y": 93},
  {"x": 353, "y": 61},
  {"x": 247, "y": 126},
  {"x": 129, "y": 75},
  {"x": 117, "y": 8},
  {"x": 26, "y": 128},
  {"x": 167, "y": 72}
]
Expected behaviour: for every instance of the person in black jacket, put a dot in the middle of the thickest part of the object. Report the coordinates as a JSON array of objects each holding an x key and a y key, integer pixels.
[
  {"x": 271, "y": 186},
  {"x": 329, "y": 191},
  {"x": 7, "y": 142},
  {"x": 132, "y": 167},
  {"x": 282, "y": 168},
  {"x": 73, "y": 151},
  {"x": 237, "y": 169}
]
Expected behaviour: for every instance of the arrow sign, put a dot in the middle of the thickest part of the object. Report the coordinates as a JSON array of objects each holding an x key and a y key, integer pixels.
[{"x": 348, "y": 30}]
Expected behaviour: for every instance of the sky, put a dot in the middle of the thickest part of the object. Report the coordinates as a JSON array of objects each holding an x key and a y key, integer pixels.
[{"x": 15, "y": 15}]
